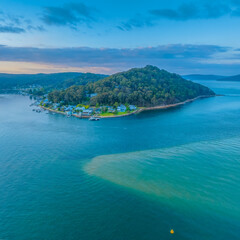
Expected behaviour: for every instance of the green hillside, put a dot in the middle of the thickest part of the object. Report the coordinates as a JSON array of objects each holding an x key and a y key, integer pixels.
[
  {"x": 143, "y": 87},
  {"x": 53, "y": 80}
]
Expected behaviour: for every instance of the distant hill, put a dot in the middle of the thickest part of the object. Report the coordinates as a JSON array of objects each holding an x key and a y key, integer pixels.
[
  {"x": 54, "y": 80},
  {"x": 195, "y": 77},
  {"x": 235, "y": 78},
  {"x": 143, "y": 87},
  {"x": 202, "y": 77}
]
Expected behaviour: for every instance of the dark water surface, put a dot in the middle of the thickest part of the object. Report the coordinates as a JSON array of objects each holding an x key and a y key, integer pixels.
[{"x": 126, "y": 178}]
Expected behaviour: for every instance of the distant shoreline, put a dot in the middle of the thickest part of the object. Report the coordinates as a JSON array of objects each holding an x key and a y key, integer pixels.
[{"x": 138, "y": 110}]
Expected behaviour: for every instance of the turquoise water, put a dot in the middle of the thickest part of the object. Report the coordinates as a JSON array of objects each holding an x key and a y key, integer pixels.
[{"x": 127, "y": 178}]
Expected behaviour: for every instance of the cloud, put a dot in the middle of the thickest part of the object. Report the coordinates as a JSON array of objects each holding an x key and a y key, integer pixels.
[
  {"x": 188, "y": 11},
  {"x": 86, "y": 55},
  {"x": 184, "y": 12},
  {"x": 31, "y": 68},
  {"x": 16, "y": 24},
  {"x": 11, "y": 29},
  {"x": 175, "y": 58},
  {"x": 36, "y": 28},
  {"x": 138, "y": 21},
  {"x": 70, "y": 14}
]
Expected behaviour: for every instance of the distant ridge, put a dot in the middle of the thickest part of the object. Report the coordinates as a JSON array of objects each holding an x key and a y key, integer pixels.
[
  {"x": 203, "y": 77},
  {"x": 235, "y": 78},
  {"x": 51, "y": 80}
]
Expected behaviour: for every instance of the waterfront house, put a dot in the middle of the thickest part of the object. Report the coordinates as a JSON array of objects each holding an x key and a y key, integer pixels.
[
  {"x": 90, "y": 111},
  {"x": 132, "y": 107},
  {"x": 77, "y": 109},
  {"x": 121, "y": 108},
  {"x": 55, "y": 106},
  {"x": 69, "y": 108},
  {"x": 80, "y": 108},
  {"x": 97, "y": 110},
  {"x": 111, "y": 109},
  {"x": 46, "y": 102},
  {"x": 69, "y": 113},
  {"x": 87, "y": 112}
]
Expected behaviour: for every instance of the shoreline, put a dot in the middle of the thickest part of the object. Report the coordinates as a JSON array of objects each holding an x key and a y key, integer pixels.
[
  {"x": 63, "y": 113},
  {"x": 137, "y": 111},
  {"x": 175, "y": 104},
  {"x": 161, "y": 107}
]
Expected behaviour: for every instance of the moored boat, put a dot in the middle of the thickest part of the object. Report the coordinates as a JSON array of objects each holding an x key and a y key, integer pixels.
[{"x": 94, "y": 118}]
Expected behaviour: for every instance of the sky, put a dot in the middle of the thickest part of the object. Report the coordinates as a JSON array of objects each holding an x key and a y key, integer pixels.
[{"x": 181, "y": 36}]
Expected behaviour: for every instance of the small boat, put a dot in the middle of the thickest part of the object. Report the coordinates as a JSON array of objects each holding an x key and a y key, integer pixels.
[{"x": 94, "y": 118}]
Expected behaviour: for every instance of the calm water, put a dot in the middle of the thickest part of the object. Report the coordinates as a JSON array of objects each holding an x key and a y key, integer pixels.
[{"x": 128, "y": 178}]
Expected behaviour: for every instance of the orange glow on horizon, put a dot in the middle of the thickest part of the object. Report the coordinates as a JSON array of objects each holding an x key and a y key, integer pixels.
[{"x": 33, "y": 68}]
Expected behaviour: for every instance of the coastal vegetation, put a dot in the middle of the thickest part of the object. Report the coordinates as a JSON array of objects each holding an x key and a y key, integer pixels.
[
  {"x": 40, "y": 84},
  {"x": 143, "y": 87}
]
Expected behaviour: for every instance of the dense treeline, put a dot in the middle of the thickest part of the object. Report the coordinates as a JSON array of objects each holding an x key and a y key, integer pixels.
[
  {"x": 82, "y": 79},
  {"x": 48, "y": 81},
  {"x": 143, "y": 87},
  {"x": 72, "y": 95}
]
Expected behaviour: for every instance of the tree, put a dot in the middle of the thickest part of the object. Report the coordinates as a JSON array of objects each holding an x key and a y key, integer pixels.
[{"x": 116, "y": 105}]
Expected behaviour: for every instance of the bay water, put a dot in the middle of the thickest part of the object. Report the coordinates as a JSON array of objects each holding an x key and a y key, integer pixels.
[{"x": 134, "y": 177}]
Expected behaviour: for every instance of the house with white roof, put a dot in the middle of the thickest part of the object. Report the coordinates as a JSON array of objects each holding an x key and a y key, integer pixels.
[{"x": 121, "y": 108}]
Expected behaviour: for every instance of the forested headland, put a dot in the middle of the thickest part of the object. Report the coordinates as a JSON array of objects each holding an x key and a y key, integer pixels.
[{"x": 143, "y": 87}]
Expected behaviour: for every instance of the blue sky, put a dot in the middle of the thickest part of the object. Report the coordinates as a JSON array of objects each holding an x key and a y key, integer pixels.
[{"x": 106, "y": 36}]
